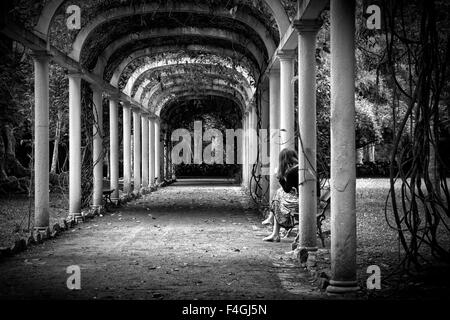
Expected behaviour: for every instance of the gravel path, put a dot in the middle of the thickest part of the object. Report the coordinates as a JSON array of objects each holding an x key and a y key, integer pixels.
[{"x": 190, "y": 240}]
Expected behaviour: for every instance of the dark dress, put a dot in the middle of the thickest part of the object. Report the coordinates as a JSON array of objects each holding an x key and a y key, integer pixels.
[{"x": 285, "y": 202}]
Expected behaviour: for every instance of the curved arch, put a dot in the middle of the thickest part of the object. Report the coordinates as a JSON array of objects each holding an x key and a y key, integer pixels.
[
  {"x": 102, "y": 60},
  {"x": 189, "y": 96},
  {"x": 52, "y": 6},
  {"x": 118, "y": 13},
  {"x": 182, "y": 71},
  {"x": 158, "y": 64},
  {"x": 168, "y": 99},
  {"x": 280, "y": 16},
  {"x": 162, "y": 49},
  {"x": 178, "y": 83},
  {"x": 245, "y": 86},
  {"x": 152, "y": 100},
  {"x": 156, "y": 100}
]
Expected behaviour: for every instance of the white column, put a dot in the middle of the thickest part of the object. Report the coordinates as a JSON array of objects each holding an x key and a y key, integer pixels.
[
  {"x": 126, "y": 148},
  {"x": 136, "y": 151},
  {"x": 287, "y": 114},
  {"x": 41, "y": 140},
  {"x": 307, "y": 30},
  {"x": 343, "y": 182},
  {"x": 114, "y": 148},
  {"x": 151, "y": 159},
  {"x": 157, "y": 151},
  {"x": 74, "y": 145},
  {"x": 97, "y": 150},
  {"x": 252, "y": 143},
  {"x": 274, "y": 125},
  {"x": 264, "y": 146},
  {"x": 245, "y": 150},
  {"x": 145, "y": 148}
]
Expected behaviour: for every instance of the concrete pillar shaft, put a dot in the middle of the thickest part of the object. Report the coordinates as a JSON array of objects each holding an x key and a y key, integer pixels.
[
  {"x": 157, "y": 151},
  {"x": 126, "y": 149},
  {"x": 97, "y": 150},
  {"x": 274, "y": 126},
  {"x": 151, "y": 138},
  {"x": 74, "y": 145},
  {"x": 136, "y": 151},
  {"x": 145, "y": 155},
  {"x": 287, "y": 121},
  {"x": 264, "y": 143},
  {"x": 114, "y": 148},
  {"x": 41, "y": 140},
  {"x": 307, "y": 128},
  {"x": 343, "y": 182}
]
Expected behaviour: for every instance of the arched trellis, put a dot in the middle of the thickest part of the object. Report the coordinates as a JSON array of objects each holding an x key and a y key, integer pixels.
[
  {"x": 161, "y": 99},
  {"x": 177, "y": 83},
  {"x": 211, "y": 33},
  {"x": 173, "y": 102},
  {"x": 180, "y": 71},
  {"x": 174, "y": 64},
  {"x": 149, "y": 89},
  {"x": 51, "y": 7},
  {"x": 152, "y": 8},
  {"x": 190, "y": 48},
  {"x": 343, "y": 248}
]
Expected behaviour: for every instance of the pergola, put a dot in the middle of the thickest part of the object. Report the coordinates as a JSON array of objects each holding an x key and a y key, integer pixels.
[{"x": 135, "y": 57}]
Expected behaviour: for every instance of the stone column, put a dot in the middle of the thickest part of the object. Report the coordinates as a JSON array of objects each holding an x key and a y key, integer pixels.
[
  {"x": 264, "y": 142},
  {"x": 41, "y": 140},
  {"x": 126, "y": 148},
  {"x": 245, "y": 150},
  {"x": 307, "y": 142},
  {"x": 145, "y": 156},
  {"x": 274, "y": 126},
  {"x": 151, "y": 158},
  {"x": 136, "y": 151},
  {"x": 252, "y": 140},
  {"x": 287, "y": 133},
  {"x": 343, "y": 182},
  {"x": 114, "y": 148},
  {"x": 97, "y": 150},
  {"x": 157, "y": 151},
  {"x": 74, "y": 145}
]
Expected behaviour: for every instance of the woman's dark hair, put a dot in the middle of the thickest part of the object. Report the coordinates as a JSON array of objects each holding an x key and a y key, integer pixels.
[{"x": 287, "y": 159}]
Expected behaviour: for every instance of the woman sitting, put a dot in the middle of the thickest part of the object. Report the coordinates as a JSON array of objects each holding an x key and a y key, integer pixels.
[{"x": 285, "y": 201}]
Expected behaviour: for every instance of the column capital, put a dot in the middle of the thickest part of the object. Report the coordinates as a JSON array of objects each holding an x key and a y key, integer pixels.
[
  {"x": 74, "y": 74},
  {"x": 115, "y": 97},
  {"x": 275, "y": 71},
  {"x": 96, "y": 87},
  {"x": 126, "y": 104},
  {"x": 308, "y": 25},
  {"x": 41, "y": 55},
  {"x": 286, "y": 55},
  {"x": 135, "y": 109}
]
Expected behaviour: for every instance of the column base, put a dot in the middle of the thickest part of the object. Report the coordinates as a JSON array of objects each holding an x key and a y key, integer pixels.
[
  {"x": 75, "y": 216},
  {"x": 98, "y": 209},
  {"x": 338, "y": 287},
  {"x": 310, "y": 249}
]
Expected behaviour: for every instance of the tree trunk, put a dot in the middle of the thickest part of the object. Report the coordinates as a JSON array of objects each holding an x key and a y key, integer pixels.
[
  {"x": 56, "y": 142},
  {"x": 13, "y": 166},
  {"x": 3, "y": 175}
]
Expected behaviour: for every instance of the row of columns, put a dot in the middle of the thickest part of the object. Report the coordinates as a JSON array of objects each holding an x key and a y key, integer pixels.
[
  {"x": 146, "y": 154},
  {"x": 282, "y": 135}
]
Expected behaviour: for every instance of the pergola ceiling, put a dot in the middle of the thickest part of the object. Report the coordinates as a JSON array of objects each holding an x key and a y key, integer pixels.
[{"x": 120, "y": 37}]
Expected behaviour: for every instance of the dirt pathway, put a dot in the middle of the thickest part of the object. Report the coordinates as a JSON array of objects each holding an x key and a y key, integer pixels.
[{"x": 186, "y": 241}]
